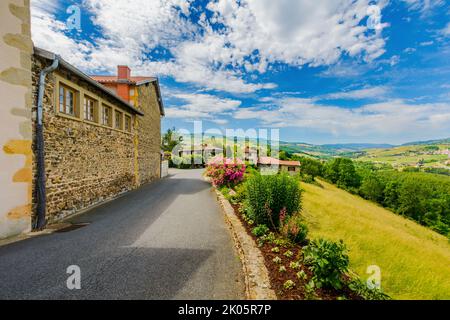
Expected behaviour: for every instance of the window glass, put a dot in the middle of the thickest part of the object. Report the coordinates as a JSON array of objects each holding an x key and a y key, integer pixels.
[
  {"x": 127, "y": 124},
  {"x": 61, "y": 99},
  {"x": 89, "y": 109},
  {"x": 66, "y": 100},
  {"x": 118, "y": 120},
  {"x": 106, "y": 120}
]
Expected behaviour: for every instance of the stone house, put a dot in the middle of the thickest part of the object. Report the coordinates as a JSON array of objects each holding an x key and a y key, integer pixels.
[
  {"x": 99, "y": 142},
  {"x": 269, "y": 164},
  {"x": 68, "y": 142}
]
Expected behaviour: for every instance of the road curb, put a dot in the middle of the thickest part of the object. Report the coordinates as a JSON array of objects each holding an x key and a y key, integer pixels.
[{"x": 256, "y": 275}]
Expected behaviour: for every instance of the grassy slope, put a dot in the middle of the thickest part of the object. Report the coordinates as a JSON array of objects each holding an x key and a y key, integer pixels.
[{"x": 414, "y": 261}]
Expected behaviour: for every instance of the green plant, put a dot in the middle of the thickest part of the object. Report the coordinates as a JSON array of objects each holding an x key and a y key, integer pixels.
[
  {"x": 362, "y": 290},
  {"x": 310, "y": 290},
  {"x": 301, "y": 275},
  {"x": 269, "y": 195},
  {"x": 328, "y": 261},
  {"x": 281, "y": 242},
  {"x": 294, "y": 265},
  {"x": 288, "y": 254},
  {"x": 275, "y": 250},
  {"x": 289, "y": 284},
  {"x": 260, "y": 230},
  {"x": 282, "y": 269},
  {"x": 296, "y": 230},
  {"x": 277, "y": 260}
]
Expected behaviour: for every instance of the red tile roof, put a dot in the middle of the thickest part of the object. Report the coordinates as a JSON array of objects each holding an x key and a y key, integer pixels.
[
  {"x": 270, "y": 160},
  {"x": 113, "y": 79}
]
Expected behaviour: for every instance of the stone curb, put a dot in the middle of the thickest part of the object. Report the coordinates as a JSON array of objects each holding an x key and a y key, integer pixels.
[{"x": 256, "y": 275}]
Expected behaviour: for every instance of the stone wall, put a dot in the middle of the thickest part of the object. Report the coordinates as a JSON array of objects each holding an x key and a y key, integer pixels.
[
  {"x": 85, "y": 163},
  {"x": 149, "y": 134},
  {"x": 15, "y": 117}
]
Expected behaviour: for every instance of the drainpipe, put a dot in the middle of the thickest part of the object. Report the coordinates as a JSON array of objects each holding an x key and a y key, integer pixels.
[{"x": 40, "y": 221}]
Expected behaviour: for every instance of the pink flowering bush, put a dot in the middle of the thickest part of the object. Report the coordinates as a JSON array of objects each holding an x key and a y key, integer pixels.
[{"x": 224, "y": 171}]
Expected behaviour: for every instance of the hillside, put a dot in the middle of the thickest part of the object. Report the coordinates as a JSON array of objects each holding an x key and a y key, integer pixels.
[
  {"x": 410, "y": 155},
  {"x": 413, "y": 259},
  {"x": 428, "y": 153}
]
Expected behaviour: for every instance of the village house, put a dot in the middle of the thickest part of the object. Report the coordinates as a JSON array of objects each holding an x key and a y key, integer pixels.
[
  {"x": 267, "y": 165},
  {"x": 101, "y": 135}
]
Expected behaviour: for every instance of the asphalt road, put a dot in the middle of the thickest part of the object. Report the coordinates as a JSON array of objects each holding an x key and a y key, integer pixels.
[{"x": 167, "y": 240}]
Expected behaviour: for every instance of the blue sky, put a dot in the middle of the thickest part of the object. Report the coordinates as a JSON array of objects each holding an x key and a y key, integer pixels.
[{"x": 321, "y": 71}]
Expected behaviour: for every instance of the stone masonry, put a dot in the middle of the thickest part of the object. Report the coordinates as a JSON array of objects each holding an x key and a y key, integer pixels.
[{"x": 88, "y": 163}]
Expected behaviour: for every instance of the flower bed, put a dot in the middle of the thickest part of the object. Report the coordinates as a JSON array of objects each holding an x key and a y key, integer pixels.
[
  {"x": 278, "y": 279},
  {"x": 269, "y": 208}
]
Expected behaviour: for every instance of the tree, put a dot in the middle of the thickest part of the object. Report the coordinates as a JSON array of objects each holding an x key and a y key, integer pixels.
[
  {"x": 372, "y": 188},
  {"x": 342, "y": 172},
  {"x": 170, "y": 140},
  {"x": 311, "y": 167}
]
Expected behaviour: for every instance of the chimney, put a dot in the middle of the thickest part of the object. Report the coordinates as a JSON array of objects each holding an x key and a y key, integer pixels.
[{"x": 123, "y": 73}]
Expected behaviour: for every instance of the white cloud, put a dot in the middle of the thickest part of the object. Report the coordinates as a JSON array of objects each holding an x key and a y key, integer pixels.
[
  {"x": 373, "y": 92},
  {"x": 387, "y": 120},
  {"x": 426, "y": 43},
  {"x": 446, "y": 30},
  {"x": 199, "y": 106},
  {"x": 424, "y": 6},
  {"x": 242, "y": 37},
  {"x": 409, "y": 50}
]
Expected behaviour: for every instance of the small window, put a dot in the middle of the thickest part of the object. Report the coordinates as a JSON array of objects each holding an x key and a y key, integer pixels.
[
  {"x": 107, "y": 116},
  {"x": 118, "y": 120},
  {"x": 292, "y": 169},
  {"x": 127, "y": 123},
  {"x": 66, "y": 100},
  {"x": 89, "y": 109},
  {"x": 131, "y": 92}
]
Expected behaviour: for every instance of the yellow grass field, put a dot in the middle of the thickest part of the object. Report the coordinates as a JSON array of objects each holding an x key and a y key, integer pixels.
[{"x": 414, "y": 261}]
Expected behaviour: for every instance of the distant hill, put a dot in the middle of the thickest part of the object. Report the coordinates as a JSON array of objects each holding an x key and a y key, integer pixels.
[
  {"x": 352, "y": 149},
  {"x": 357, "y": 146},
  {"x": 439, "y": 141}
]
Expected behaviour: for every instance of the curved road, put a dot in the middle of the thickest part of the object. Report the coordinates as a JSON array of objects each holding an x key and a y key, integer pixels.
[{"x": 166, "y": 240}]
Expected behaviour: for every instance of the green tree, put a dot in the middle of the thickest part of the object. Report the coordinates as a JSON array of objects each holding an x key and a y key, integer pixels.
[
  {"x": 372, "y": 188},
  {"x": 170, "y": 140},
  {"x": 342, "y": 172}
]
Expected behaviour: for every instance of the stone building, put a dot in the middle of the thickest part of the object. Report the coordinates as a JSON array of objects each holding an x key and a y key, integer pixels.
[{"x": 99, "y": 142}]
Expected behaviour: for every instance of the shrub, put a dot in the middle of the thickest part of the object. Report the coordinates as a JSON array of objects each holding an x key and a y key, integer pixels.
[
  {"x": 260, "y": 230},
  {"x": 269, "y": 196},
  {"x": 296, "y": 230},
  {"x": 328, "y": 261},
  {"x": 224, "y": 171}
]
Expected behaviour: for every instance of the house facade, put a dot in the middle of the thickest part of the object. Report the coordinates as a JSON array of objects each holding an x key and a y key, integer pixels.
[
  {"x": 268, "y": 165},
  {"x": 95, "y": 142},
  {"x": 98, "y": 144}
]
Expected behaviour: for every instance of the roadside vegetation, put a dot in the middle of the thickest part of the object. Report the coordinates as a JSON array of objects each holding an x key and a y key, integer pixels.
[{"x": 271, "y": 209}]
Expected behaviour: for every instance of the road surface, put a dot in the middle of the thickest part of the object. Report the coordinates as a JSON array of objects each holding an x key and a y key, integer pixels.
[{"x": 167, "y": 240}]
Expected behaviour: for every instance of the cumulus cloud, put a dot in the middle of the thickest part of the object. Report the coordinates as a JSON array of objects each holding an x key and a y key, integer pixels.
[
  {"x": 200, "y": 106},
  {"x": 217, "y": 50},
  {"x": 389, "y": 119}
]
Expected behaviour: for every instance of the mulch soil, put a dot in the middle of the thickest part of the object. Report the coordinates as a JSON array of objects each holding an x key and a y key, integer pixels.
[{"x": 278, "y": 278}]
